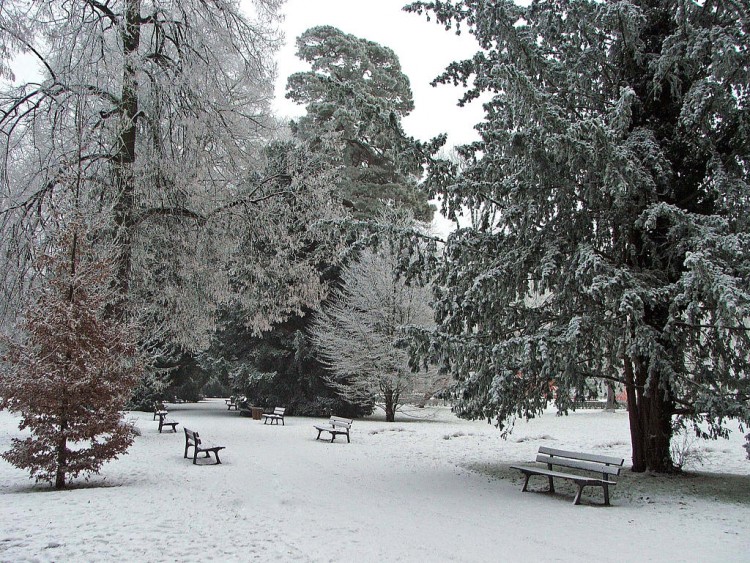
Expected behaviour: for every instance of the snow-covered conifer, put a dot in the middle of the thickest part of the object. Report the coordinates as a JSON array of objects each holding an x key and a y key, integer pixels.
[{"x": 612, "y": 183}]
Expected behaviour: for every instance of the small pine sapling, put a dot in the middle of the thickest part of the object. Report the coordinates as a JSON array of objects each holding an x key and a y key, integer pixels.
[{"x": 70, "y": 370}]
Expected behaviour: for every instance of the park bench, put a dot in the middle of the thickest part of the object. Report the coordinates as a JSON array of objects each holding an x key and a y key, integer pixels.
[
  {"x": 234, "y": 402},
  {"x": 163, "y": 421},
  {"x": 159, "y": 410},
  {"x": 193, "y": 440},
  {"x": 336, "y": 425},
  {"x": 606, "y": 469},
  {"x": 276, "y": 415}
]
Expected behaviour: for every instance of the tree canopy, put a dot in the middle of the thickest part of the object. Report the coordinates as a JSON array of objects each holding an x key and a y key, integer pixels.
[
  {"x": 611, "y": 194},
  {"x": 355, "y": 95},
  {"x": 361, "y": 332},
  {"x": 157, "y": 114}
]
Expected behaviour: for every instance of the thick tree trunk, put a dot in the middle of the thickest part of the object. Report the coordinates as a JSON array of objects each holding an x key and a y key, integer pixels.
[
  {"x": 650, "y": 414},
  {"x": 125, "y": 156},
  {"x": 390, "y": 407},
  {"x": 611, "y": 398}
]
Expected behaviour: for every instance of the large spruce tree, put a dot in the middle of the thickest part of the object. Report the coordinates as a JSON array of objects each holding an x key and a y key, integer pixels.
[
  {"x": 355, "y": 95},
  {"x": 610, "y": 188}
]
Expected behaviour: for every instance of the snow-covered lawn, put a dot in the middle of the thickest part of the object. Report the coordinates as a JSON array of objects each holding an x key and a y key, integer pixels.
[{"x": 431, "y": 489}]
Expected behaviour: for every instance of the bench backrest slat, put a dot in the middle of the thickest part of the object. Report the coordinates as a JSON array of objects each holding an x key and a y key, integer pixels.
[
  {"x": 279, "y": 411},
  {"x": 608, "y": 460},
  {"x": 580, "y": 464},
  {"x": 192, "y": 437},
  {"x": 339, "y": 421}
]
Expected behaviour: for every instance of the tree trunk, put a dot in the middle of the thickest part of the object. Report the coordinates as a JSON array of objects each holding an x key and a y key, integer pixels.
[
  {"x": 125, "y": 156},
  {"x": 611, "y": 398},
  {"x": 390, "y": 410},
  {"x": 650, "y": 414},
  {"x": 62, "y": 454}
]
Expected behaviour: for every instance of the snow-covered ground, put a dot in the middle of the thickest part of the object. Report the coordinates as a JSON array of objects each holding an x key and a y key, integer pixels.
[{"x": 429, "y": 489}]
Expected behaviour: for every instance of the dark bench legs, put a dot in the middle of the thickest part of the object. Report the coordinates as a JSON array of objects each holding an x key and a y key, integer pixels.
[
  {"x": 208, "y": 454},
  {"x": 172, "y": 424},
  {"x": 207, "y": 451},
  {"x": 577, "y": 499},
  {"x": 334, "y": 434}
]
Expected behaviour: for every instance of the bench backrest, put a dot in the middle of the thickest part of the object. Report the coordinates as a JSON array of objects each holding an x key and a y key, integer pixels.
[
  {"x": 340, "y": 422},
  {"x": 279, "y": 411},
  {"x": 192, "y": 438},
  {"x": 606, "y": 465}
]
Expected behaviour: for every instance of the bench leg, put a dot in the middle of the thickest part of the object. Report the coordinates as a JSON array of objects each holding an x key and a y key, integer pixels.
[
  {"x": 216, "y": 453},
  {"x": 577, "y": 500},
  {"x": 195, "y": 456},
  {"x": 526, "y": 483},
  {"x": 347, "y": 438},
  {"x": 333, "y": 437},
  {"x": 319, "y": 431},
  {"x": 606, "y": 495},
  {"x": 551, "y": 484}
]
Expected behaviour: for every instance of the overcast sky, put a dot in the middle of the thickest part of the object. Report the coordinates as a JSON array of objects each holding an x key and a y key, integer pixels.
[{"x": 424, "y": 49}]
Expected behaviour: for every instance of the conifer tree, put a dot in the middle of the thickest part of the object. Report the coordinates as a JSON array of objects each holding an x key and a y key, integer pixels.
[
  {"x": 71, "y": 369},
  {"x": 355, "y": 95},
  {"x": 611, "y": 191}
]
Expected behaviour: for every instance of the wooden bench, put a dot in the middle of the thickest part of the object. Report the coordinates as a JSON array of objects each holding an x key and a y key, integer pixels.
[
  {"x": 163, "y": 421},
  {"x": 234, "y": 402},
  {"x": 159, "y": 410},
  {"x": 607, "y": 469},
  {"x": 336, "y": 425},
  {"x": 193, "y": 440},
  {"x": 276, "y": 415}
]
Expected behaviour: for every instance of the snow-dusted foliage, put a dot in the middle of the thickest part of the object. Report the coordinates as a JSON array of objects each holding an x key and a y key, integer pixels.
[
  {"x": 611, "y": 178},
  {"x": 362, "y": 333},
  {"x": 160, "y": 110},
  {"x": 70, "y": 368},
  {"x": 355, "y": 95}
]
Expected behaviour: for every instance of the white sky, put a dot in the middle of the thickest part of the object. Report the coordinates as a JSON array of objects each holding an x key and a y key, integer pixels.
[{"x": 424, "y": 50}]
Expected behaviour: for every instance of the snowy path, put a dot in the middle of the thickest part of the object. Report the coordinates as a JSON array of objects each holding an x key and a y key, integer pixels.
[{"x": 436, "y": 490}]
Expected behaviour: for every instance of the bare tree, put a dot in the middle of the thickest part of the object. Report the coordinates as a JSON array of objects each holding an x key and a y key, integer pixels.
[
  {"x": 162, "y": 110},
  {"x": 362, "y": 333}
]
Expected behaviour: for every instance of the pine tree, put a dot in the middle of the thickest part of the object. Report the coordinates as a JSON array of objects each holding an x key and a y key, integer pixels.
[
  {"x": 71, "y": 370},
  {"x": 356, "y": 95},
  {"x": 611, "y": 191}
]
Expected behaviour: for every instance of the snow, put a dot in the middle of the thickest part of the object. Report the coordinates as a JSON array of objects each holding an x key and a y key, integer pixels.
[{"x": 433, "y": 488}]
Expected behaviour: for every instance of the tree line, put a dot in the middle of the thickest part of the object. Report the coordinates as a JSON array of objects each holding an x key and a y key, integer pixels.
[{"x": 607, "y": 197}]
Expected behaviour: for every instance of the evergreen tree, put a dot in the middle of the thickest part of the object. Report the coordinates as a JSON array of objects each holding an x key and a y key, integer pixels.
[
  {"x": 356, "y": 95},
  {"x": 610, "y": 187},
  {"x": 71, "y": 370}
]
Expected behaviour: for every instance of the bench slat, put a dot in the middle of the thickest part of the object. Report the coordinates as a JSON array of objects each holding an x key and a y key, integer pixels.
[
  {"x": 582, "y": 456},
  {"x": 606, "y": 466},
  {"x": 577, "y": 464},
  {"x": 571, "y": 476}
]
